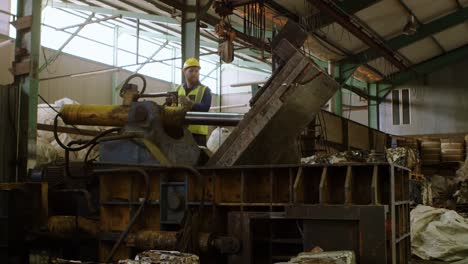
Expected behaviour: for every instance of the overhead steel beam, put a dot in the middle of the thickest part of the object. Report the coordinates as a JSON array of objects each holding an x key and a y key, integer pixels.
[
  {"x": 342, "y": 18},
  {"x": 212, "y": 21},
  {"x": 349, "y": 7},
  {"x": 424, "y": 30},
  {"x": 151, "y": 57},
  {"x": 116, "y": 12},
  {"x": 410, "y": 12},
  {"x": 99, "y": 20},
  {"x": 170, "y": 38},
  {"x": 177, "y": 4},
  {"x": 359, "y": 92},
  {"x": 70, "y": 38},
  {"x": 178, "y": 39}
]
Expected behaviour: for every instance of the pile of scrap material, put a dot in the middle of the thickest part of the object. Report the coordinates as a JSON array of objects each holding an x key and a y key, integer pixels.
[
  {"x": 438, "y": 233},
  {"x": 403, "y": 156},
  {"x": 350, "y": 156},
  {"x": 162, "y": 257},
  {"x": 318, "y": 256}
]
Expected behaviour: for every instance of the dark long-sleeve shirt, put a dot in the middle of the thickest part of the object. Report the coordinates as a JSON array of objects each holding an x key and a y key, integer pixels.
[{"x": 205, "y": 104}]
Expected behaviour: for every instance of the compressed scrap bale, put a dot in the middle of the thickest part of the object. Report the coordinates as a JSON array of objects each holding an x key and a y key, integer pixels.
[
  {"x": 430, "y": 151},
  {"x": 452, "y": 149},
  {"x": 162, "y": 257}
]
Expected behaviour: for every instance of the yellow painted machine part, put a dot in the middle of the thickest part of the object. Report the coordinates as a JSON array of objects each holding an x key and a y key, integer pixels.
[{"x": 95, "y": 115}]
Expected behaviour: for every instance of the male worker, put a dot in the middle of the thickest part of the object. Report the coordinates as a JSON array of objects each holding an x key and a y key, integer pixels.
[{"x": 196, "y": 95}]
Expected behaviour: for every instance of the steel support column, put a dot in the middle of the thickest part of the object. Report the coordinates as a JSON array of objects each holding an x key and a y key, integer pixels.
[
  {"x": 190, "y": 31},
  {"x": 338, "y": 102},
  {"x": 337, "y": 99},
  {"x": 373, "y": 106},
  {"x": 28, "y": 44},
  {"x": 115, "y": 74}
]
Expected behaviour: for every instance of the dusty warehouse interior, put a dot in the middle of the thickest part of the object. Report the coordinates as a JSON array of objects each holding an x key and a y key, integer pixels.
[{"x": 234, "y": 131}]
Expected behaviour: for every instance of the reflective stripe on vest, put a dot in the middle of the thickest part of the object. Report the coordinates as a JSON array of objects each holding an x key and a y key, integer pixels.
[{"x": 195, "y": 95}]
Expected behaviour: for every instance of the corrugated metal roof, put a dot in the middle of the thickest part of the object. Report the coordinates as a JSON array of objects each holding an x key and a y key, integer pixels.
[
  {"x": 383, "y": 66},
  {"x": 337, "y": 34},
  {"x": 427, "y": 10},
  {"x": 453, "y": 37},
  {"x": 421, "y": 50},
  {"x": 385, "y": 18}
]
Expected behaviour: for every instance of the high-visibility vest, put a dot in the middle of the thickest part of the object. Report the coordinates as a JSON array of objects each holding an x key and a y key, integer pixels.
[{"x": 195, "y": 95}]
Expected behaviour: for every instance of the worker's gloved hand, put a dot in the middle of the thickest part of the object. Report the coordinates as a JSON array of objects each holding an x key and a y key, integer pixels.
[{"x": 186, "y": 103}]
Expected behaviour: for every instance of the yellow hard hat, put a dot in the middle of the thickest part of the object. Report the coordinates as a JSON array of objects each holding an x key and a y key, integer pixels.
[{"x": 191, "y": 62}]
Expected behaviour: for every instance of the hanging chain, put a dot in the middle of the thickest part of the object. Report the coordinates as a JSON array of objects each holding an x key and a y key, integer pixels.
[{"x": 255, "y": 20}]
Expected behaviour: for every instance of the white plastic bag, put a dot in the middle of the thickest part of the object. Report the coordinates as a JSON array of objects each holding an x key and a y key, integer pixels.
[
  {"x": 45, "y": 115},
  {"x": 217, "y": 137},
  {"x": 438, "y": 233}
]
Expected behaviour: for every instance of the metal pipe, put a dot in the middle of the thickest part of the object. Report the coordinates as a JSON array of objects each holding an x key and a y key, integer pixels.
[
  {"x": 7, "y": 13},
  {"x": 155, "y": 95},
  {"x": 228, "y": 106},
  {"x": 213, "y": 119},
  {"x": 90, "y": 22},
  {"x": 111, "y": 115}
]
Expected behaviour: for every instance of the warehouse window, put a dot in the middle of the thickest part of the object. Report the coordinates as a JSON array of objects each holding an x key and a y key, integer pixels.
[{"x": 401, "y": 107}]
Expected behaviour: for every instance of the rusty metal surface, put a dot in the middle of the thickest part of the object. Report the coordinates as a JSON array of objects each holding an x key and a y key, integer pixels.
[
  {"x": 148, "y": 239},
  {"x": 244, "y": 209},
  {"x": 160, "y": 256},
  {"x": 95, "y": 115},
  {"x": 268, "y": 132},
  {"x": 63, "y": 224},
  {"x": 362, "y": 229},
  {"x": 155, "y": 144}
]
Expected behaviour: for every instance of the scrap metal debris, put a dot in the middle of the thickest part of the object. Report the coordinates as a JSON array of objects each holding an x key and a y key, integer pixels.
[
  {"x": 162, "y": 257},
  {"x": 344, "y": 157},
  {"x": 403, "y": 156}
]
